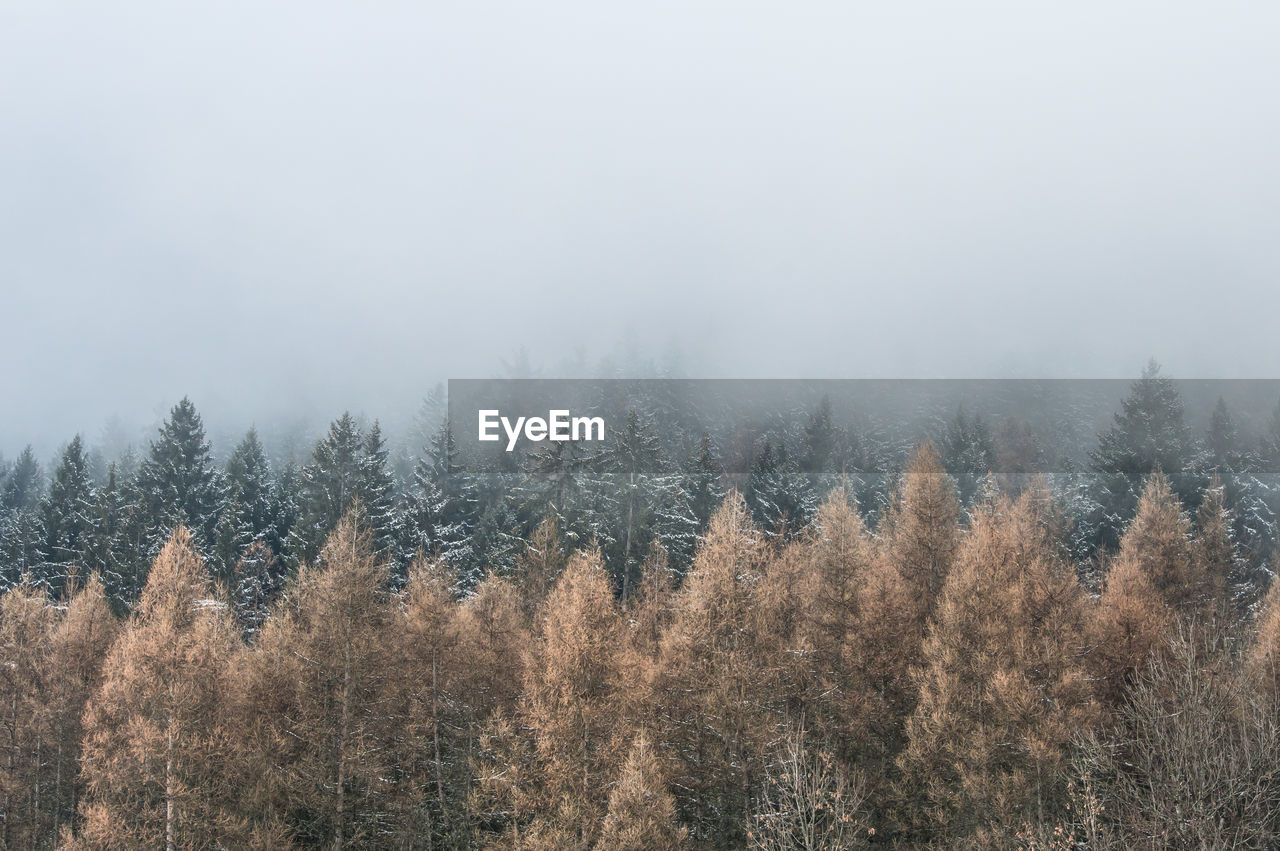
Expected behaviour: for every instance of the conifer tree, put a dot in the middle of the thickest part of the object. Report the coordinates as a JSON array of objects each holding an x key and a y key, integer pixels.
[
  {"x": 432, "y": 744},
  {"x": 1004, "y": 687},
  {"x": 23, "y": 486},
  {"x": 248, "y": 478},
  {"x": 1129, "y": 624},
  {"x": 708, "y": 696},
  {"x": 155, "y": 741},
  {"x": 1149, "y": 433},
  {"x": 919, "y": 537},
  {"x": 177, "y": 484},
  {"x": 78, "y": 645},
  {"x": 26, "y": 619},
  {"x": 572, "y": 682},
  {"x": 321, "y": 667},
  {"x": 641, "y": 813},
  {"x": 703, "y": 482},
  {"x": 1159, "y": 540},
  {"x": 1214, "y": 550},
  {"x": 968, "y": 452},
  {"x": 329, "y": 485},
  {"x": 68, "y": 515}
]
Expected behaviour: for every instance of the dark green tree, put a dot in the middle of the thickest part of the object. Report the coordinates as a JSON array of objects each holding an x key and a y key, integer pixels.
[
  {"x": 68, "y": 514},
  {"x": 178, "y": 484}
]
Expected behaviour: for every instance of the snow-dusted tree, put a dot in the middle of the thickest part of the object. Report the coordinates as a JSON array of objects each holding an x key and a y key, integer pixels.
[
  {"x": 346, "y": 467},
  {"x": 254, "y": 585},
  {"x": 437, "y": 512},
  {"x": 968, "y": 452},
  {"x": 178, "y": 484},
  {"x": 24, "y": 485},
  {"x": 779, "y": 497},
  {"x": 248, "y": 478},
  {"x": 68, "y": 514},
  {"x": 1149, "y": 433},
  {"x": 377, "y": 490},
  {"x": 703, "y": 481}
]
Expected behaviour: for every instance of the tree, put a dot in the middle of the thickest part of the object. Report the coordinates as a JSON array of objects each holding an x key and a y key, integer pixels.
[
  {"x": 155, "y": 744},
  {"x": 432, "y": 745},
  {"x": 77, "y": 647},
  {"x": 330, "y": 484},
  {"x": 1003, "y": 688},
  {"x": 779, "y": 498},
  {"x": 919, "y": 538},
  {"x": 703, "y": 477},
  {"x": 641, "y": 814},
  {"x": 177, "y": 484},
  {"x": 23, "y": 485},
  {"x": 1159, "y": 540},
  {"x": 708, "y": 698},
  {"x": 320, "y": 669},
  {"x": 807, "y": 802},
  {"x": 1149, "y": 433},
  {"x": 25, "y": 624},
  {"x": 249, "y": 489},
  {"x": 968, "y": 452},
  {"x": 572, "y": 682},
  {"x": 67, "y": 512}
]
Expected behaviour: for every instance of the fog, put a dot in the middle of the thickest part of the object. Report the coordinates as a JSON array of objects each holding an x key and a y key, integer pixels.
[{"x": 287, "y": 210}]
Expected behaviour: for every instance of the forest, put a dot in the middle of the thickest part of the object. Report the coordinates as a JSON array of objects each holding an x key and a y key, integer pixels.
[{"x": 828, "y": 635}]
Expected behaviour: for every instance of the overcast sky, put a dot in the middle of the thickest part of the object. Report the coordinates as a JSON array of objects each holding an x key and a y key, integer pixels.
[{"x": 285, "y": 207}]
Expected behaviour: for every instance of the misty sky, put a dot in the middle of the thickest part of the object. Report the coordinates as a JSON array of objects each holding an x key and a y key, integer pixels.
[{"x": 284, "y": 207}]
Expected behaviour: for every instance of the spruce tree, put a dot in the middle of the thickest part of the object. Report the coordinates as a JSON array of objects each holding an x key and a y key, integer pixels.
[
  {"x": 1149, "y": 433},
  {"x": 68, "y": 513},
  {"x": 178, "y": 484}
]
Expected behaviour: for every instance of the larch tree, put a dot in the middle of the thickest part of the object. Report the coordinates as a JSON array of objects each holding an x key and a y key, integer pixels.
[
  {"x": 708, "y": 698},
  {"x": 919, "y": 537},
  {"x": 323, "y": 661},
  {"x": 431, "y": 746},
  {"x": 77, "y": 648},
  {"x": 154, "y": 737},
  {"x": 642, "y": 814},
  {"x": 25, "y": 736},
  {"x": 573, "y": 685},
  {"x": 1004, "y": 686},
  {"x": 1159, "y": 540}
]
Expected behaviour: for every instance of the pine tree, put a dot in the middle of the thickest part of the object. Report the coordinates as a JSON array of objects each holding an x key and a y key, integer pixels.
[
  {"x": 177, "y": 484},
  {"x": 21, "y": 529},
  {"x": 155, "y": 741},
  {"x": 329, "y": 485},
  {"x": 779, "y": 498},
  {"x": 377, "y": 490}
]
